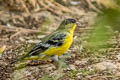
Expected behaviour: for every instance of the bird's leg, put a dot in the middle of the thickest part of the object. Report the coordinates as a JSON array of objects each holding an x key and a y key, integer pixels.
[
  {"x": 56, "y": 61},
  {"x": 55, "y": 58}
]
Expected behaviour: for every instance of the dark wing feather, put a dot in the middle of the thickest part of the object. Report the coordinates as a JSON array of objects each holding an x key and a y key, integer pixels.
[
  {"x": 38, "y": 48},
  {"x": 55, "y": 40}
]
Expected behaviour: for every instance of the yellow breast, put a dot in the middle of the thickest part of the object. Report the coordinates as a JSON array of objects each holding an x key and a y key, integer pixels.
[{"x": 61, "y": 49}]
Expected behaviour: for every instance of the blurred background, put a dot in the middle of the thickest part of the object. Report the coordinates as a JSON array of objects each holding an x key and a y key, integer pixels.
[{"x": 94, "y": 54}]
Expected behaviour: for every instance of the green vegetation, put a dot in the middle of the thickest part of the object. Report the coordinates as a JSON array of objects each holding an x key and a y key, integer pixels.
[{"x": 100, "y": 37}]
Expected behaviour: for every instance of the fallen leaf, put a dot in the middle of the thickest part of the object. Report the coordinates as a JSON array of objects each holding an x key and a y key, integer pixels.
[{"x": 2, "y": 49}]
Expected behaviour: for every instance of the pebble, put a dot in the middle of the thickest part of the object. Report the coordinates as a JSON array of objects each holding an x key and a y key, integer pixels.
[
  {"x": 105, "y": 66},
  {"x": 118, "y": 74},
  {"x": 118, "y": 66},
  {"x": 118, "y": 56},
  {"x": 49, "y": 68},
  {"x": 72, "y": 67},
  {"x": 33, "y": 41},
  {"x": 78, "y": 62},
  {"x": 41, "y": 36},
  {"x": 74, "y": 3},
  {"x": 22, "y": 39}
]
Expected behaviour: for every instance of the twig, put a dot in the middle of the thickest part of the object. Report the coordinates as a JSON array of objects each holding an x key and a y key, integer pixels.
[
  {"x": 17, "y": 30},
  {"x": 48, "y": 8},
  {"x": 63, "y": 8},
  {"x": 24, "y": 31},
  {"x": 8, "y": 29},
  {"x": 58, "y": 6},
  {"x": 92, "y": 6},
  {"x": 25, "y": 7},
  {"x": 51, "y": 5}
]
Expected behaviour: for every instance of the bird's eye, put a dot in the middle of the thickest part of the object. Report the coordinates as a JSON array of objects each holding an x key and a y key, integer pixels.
[
  {"x": 68, "y": 21},
  {"x": 71, "y": 20}
]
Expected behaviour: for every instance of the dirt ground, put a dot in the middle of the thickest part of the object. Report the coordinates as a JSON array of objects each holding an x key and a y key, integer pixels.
[{"x": 19, "y": 31}]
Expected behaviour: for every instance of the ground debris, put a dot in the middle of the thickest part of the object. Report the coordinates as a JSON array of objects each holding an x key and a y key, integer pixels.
[{"x": 21, "y": 28}]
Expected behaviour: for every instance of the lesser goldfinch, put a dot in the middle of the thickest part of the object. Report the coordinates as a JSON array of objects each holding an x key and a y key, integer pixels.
[{"x": 56, "y": 43}]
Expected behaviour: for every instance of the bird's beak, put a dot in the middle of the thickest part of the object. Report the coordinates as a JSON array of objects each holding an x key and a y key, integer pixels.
[{"x": 77, "y": 23}]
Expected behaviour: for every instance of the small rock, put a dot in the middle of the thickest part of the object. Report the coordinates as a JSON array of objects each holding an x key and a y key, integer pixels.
[
  {"x": 83, "y": 62},
  {"x": 16, "y": 42},
  {"x": 78, "y": 75},
  {"x": 77, "y": 62},
  {"x": 49, "y": 68},
  {"x": 105, "y": 66},
  {"x": 117, "y": 74},
  {"x": 8, "y": 25},
  {"x": 41, "y": 36},
  {"x": 73, "y": 55},
  {"x": 118, "y": 56},
  {"x": 21, "y": 39},
  {"x": 33, "y": 41},
  {"x": 53, "y": 73},
  {"x": 72, "y": 67},
  {"x": 74, "y": 3},
  {"x": 118, "y": 66}
]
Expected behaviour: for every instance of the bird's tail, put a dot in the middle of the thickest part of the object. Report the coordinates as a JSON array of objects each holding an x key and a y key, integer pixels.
[
  {"x": 36, "y": 57},
  {"x": 29, "y": 57}
]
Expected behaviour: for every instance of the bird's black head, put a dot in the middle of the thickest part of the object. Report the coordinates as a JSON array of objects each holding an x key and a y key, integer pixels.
[
  {"x": 67, "y": 24},
  {"x": 69, "y": 21}
]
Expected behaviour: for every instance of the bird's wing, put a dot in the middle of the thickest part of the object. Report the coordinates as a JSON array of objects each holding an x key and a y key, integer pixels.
[
  {"x": 40, "y": 47},
  {"x": 54, "y": 40}
]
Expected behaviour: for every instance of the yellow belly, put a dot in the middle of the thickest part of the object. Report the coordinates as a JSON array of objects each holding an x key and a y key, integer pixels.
[{"x": 61, "y": 49}]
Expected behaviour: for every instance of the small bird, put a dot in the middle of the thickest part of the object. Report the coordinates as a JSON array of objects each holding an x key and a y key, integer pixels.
[{"x": 56, "y": 43}]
